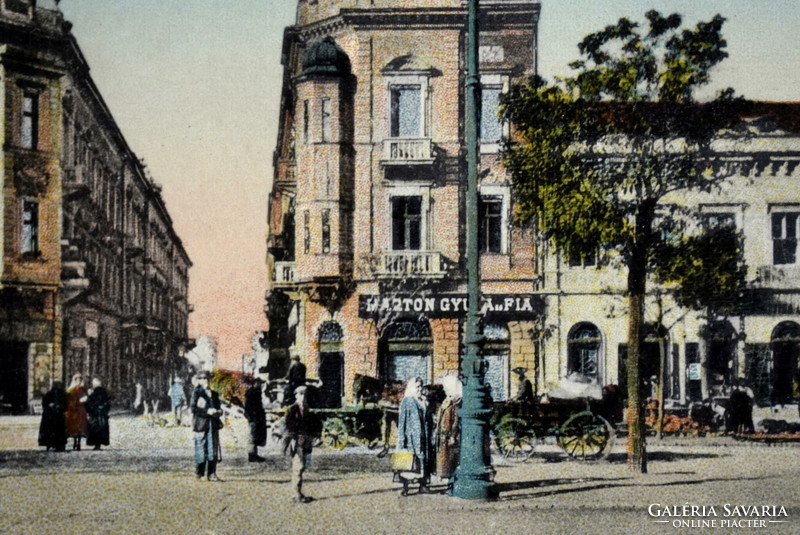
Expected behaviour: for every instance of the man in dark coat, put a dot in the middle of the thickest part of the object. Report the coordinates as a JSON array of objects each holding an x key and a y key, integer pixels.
[
  {"x": 53, "y": 428},
  {"x": 256, "y": 417},
  {"x": 296, "y": 377},
  {"x": 302, "y": 427},
  {"x": 206, "y": 423},
  {"x": 524, "y": 387},
  {"x": 98, "y": 407}
]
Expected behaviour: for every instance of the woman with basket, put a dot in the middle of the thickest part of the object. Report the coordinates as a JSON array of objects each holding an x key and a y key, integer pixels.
[{"x": 415, "y": 437}]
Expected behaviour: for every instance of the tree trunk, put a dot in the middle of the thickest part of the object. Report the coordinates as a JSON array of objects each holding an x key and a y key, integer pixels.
[
  {"x": 637, "y": 285},
  {"x": 662, "y": 363}
]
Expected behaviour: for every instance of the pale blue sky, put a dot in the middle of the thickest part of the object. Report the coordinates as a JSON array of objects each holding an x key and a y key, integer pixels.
[{"x": 194, "y": 86}]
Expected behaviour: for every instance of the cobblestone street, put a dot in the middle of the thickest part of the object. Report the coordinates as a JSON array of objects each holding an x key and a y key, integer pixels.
[{"x": 144, "y": 484}]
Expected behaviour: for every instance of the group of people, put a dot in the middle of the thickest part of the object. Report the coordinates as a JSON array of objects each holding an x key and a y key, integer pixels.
[
  {"x": 433, "y": 440},
  {"x": 75, "y": 413}
]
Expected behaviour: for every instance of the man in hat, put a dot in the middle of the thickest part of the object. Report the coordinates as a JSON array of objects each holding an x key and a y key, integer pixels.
[
  {"x": 206, "y": 424},
  {"x": 177, "y": 396},
  {"x": 256, "y": 417},
  {"x": 302, "y": 427},
  {"x": 524, "y": 387},
  {"x": 296, "y": 376}
]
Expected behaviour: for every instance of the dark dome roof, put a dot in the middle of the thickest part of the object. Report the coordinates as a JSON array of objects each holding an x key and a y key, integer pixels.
[{"x": 325, "y": 57}]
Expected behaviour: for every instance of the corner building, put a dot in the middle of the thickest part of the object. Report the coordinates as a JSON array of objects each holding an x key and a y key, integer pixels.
[{"x": 367, "y": 212}]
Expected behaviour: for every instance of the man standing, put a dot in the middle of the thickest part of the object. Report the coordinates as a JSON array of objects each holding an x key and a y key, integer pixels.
[
  {"x": 206, "y": 424},
  {"x": 524, "y": 387},
  {"x": 256, "y": 417},
  {"x": 302, "y": 427},
  {"x": 296, "y": 376}
]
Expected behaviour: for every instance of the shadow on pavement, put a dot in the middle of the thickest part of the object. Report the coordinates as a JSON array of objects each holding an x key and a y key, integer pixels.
[{"x": 597, "y": 484}]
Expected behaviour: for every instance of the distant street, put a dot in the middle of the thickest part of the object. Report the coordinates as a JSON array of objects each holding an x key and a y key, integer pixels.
[{"x": 144, "y": 484}]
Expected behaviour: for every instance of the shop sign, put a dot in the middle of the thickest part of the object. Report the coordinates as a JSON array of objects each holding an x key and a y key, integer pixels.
[
  {"x": 522, "y": 305},
  {"x": 27, "y": 331}
]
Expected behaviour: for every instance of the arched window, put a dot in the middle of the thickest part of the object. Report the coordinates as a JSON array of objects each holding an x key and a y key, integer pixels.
[
  {"x": 584, "y": 345},
  {"x": 405, "y": 350}
]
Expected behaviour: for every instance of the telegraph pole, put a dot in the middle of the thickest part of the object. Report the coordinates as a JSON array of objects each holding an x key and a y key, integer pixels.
[{"x": 473, "y": 477}]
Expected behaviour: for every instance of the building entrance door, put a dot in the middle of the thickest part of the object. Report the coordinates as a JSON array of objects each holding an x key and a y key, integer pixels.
[
  {"x": 785, "y": 372},
  {"x": 331, "y": 373},
  {"x": 13, "y": 377}
]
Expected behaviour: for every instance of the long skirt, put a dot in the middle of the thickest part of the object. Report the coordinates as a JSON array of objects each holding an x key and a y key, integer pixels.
[{"x": 206, "y": 446}]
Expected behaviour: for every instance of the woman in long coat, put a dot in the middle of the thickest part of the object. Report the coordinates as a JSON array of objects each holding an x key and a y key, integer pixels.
[
  {"x": 415, "y": 429},
  {"x": 447, "y": 429},
  {"x": 53, "y": 429},
  {"x": 77, "y": 419},
  {"x": 98, "y": 406}
]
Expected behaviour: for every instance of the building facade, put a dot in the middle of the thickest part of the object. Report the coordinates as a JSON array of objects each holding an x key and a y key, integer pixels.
[
  {"x": 367, "y": 227},
  {"x": 366, "y": 245},
  {"x": 94, "y": 277},
  {"x": 693, "y": 353}
]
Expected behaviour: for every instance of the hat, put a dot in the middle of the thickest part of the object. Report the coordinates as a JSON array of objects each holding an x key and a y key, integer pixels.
[
  {"x": 520, "y": 370},
  {"x": 203, "y": 374}
]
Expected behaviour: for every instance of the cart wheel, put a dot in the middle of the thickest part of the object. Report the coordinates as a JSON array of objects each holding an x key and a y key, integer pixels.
[
  {"x": 334, "y": 433},
  {"x": 514, "y": 446},
  {"x": 586, "y": 436}
]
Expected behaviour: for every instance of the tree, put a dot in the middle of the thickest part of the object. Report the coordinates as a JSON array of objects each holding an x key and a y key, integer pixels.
[{"x": 594, "y": 156}]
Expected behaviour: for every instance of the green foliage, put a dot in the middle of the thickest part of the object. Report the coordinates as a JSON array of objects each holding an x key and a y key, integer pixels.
[
  {"x": 593, "y": 155},
  {"x": 229, "y": 384},
  {"x": 706, "y": 269}
]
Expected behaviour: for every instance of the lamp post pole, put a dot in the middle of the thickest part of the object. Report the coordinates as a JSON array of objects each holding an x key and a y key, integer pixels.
[{"x": 473, "y": 477}]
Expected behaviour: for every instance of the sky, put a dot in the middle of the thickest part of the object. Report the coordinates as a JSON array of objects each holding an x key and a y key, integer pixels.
[{"x": 194, "y": 86}]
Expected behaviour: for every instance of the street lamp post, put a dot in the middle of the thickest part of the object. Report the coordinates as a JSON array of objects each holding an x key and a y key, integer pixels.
[{"x": 473, "y": 477}]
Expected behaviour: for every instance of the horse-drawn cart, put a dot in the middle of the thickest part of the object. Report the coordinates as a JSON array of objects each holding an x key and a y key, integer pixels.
[{"x": 582, "y": 425}]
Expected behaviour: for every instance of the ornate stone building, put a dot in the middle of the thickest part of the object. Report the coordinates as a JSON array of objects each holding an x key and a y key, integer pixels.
[
  {"x": 94, "y": 278},
  {"x": 366, "y": 244}
]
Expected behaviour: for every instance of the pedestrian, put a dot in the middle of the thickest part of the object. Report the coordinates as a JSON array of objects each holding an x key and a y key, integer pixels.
[
  {"x": 256, "y": 417},
  {"x": 177, "y": 396},
  {"x": 53, "y": 427},
  {"x": 98, "y": 407},
  {"x": 206, "y": 423},
  {"x": 524, "y": 387},
  {"x": 415, "y": 431},
  {"x": 76, "y": 417},
  {"x": 302, "y": 428},
  {"x": 138, "y": 399},
  {"x": 295, "y": 377},
  {"x": 739, "y": 414},
  {"x": 448, "y": 430}
]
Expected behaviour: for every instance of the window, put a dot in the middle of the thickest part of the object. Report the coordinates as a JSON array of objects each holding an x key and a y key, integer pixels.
[
  {"x": 584, "y": 351},
  {"x": 306, "y": 232},
  {"x": 326, "y": 119},
  {"x": 29, "y": 124},
  {"x": 784, "y": 237},
  {"x": 29, "y": 238},
  {"x": 490, "y": 215},
  {"x": 326, "y": 231},
  {"x": 21, "y": 7},
  {"x": 576, "y": 258},
  {"x": 406, "y": 115},
  {"x": 491, "y": 124},
  {"x": 305, "y": 122},
  {"x": 713, "y": 220},
  {"x": 406, "y": 223}
]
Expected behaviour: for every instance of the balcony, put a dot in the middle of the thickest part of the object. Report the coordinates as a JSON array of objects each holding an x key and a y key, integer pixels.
[
  {"x": 397, "y": 264},
  {"x": 283, "y": 273},
  {"x": 779, "y": 277},
  {"x": 407, "y": 151}
]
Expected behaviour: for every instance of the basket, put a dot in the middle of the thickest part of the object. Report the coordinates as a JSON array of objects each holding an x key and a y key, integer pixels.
[{"x": 402, "y": 461}]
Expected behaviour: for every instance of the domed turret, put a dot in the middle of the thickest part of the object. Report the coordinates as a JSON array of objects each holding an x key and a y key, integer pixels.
[{"x": 326, "y": 57}]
